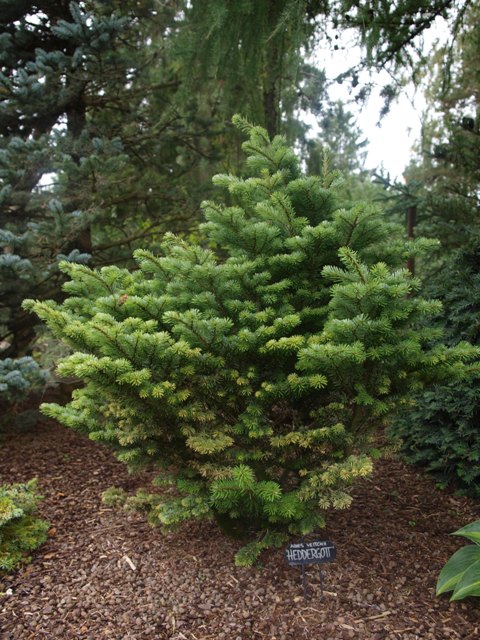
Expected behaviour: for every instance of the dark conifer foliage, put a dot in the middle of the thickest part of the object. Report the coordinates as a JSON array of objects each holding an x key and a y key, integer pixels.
[{"x": 91, "y": 148}]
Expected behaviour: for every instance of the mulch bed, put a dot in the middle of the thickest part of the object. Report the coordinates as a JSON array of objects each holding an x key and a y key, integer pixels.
[{"x": 105, "y": 574}]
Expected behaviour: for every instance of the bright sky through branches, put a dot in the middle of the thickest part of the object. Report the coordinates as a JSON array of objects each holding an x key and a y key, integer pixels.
[{"x": 391, "y": 141}]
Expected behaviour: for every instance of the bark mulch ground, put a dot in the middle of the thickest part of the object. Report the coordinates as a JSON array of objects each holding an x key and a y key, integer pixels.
[{"x": 105, "y": 574}]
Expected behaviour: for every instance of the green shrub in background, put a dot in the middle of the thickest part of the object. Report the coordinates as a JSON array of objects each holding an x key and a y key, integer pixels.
[
  {"x": 20, "y": 530},
  {"x": 254, "y": 370},
  {"x": 441, "y": 431},
  {"x": 461, "y": 574}
]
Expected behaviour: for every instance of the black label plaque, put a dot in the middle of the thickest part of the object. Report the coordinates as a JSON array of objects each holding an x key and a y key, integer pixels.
[{"x": 316, "y": 552}]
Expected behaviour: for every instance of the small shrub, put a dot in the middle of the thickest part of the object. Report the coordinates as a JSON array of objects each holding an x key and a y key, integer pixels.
[
  {"x": 20, "y": 530},
  {"x": 440, "y": 431},
  {"x": 441, "y": 434},
  {"x": 253, "y": 371}
]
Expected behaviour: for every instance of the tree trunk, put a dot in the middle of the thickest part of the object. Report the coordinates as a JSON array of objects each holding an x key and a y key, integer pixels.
[
  {"x": 411, "y": 221},
  {"x": 270, "y": 107}
]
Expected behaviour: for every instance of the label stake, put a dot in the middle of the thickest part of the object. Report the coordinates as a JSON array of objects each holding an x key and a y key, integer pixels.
[{"x": 315, "y": 552}]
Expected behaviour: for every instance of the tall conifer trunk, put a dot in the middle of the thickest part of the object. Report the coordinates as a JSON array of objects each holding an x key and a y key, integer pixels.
[{"x": 272, "y": 75}]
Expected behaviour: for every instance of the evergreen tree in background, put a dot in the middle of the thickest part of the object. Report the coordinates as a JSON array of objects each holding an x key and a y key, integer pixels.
[
  {"x": 450, "y": 164},
  {"x": 93, "y": 156},
  {"x": 249, "y": 55},
  {"x": 46, "y": 60},
  {"x": 340, "y": 139},
  {"x": 254, "y": 371}
]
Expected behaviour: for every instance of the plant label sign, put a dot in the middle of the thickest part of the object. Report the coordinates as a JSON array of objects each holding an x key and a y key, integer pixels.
[{"x": 316, "y": 552}]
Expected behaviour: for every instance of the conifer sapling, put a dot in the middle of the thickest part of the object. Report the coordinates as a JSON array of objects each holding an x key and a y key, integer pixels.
[{"x": 251, "y": 369}]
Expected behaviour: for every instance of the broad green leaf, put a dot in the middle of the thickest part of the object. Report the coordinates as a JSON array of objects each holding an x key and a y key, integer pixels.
[
  {"x": 471, "y": 531},
  {"x": 458, "y": 564},
  {"x": 469, "y": 584}
]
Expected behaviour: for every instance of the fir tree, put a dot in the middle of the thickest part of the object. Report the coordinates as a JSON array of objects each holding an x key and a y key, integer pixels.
[
  {"x": 256, "y": 369},
  {"x": 449, "y": 168},
  {"x": 93, "y": 157}
]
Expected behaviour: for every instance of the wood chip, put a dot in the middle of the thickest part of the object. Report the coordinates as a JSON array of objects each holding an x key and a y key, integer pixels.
[
  {"x": 377, "y": 617},
  {"x": 188, "y": 582},
  {"x": 130, "y": 563}
]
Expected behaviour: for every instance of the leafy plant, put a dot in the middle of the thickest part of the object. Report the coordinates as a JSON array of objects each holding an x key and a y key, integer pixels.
[
  {"x": 255, "y": 370},
  {"x": 461, "y": 574},
  {"x": 20, "y": 530}
]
